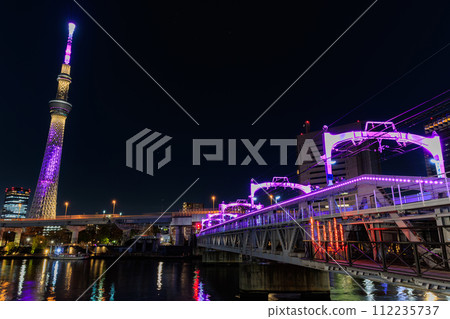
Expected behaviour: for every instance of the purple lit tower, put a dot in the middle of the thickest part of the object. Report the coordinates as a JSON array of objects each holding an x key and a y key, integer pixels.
[{"x": 44, "y": 201}]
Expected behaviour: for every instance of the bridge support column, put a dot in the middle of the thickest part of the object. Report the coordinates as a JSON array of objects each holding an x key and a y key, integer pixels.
[
  {"x": 215, "y": 256},
  {"x": 17, "y": 235},
  {"x": 126, "y": 234},
  {"x": 2, "y": 232},
  {"x": 284, "y": 281},
  {"x": 332, "y": 205},
  {"x": 75, "y": 230},
  {"x": 444, "y": 222},
  {"x": 179, "y": 235}
]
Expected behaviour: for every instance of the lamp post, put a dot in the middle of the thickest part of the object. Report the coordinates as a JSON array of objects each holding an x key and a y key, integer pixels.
[
  {"x": 67, "y": 205},
  {"x": 271, "y": 198},
  {"x": 114, "y": 205},
  {"x": 213, "y": 200},
  {"x": 277, "y": 198}
]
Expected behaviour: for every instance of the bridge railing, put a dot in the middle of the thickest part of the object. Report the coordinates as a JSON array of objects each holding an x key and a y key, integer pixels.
[{"x": 407, "y": 258}]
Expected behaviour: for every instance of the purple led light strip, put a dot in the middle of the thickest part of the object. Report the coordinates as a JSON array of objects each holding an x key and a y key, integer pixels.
[{"x": 351, "y": 181}]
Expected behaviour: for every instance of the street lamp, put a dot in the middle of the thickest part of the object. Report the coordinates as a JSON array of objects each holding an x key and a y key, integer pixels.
[
  {"x": 271, "y": 198},
  {"x": 277, "y": 198},
  {"x": 67, "y": 205},
  {"x": 114, "y": 205},
  {"x": 213, "y": 200}
]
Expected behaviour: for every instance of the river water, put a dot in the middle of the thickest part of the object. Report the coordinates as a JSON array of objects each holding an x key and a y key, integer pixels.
[{"x": 147, "y": 279}]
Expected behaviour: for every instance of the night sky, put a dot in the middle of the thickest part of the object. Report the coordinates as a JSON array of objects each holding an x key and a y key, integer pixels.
[{"x": 225, "y": 62}]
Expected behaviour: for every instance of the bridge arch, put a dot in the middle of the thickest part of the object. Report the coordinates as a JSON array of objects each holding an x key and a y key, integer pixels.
[
  {"x": 276, "y": 182},
  {"x": 431, "y": 144},
  {"x": 239, "y": 203}
]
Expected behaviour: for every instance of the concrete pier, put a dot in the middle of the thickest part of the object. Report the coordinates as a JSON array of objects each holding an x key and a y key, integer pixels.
[
  {"x": 284, "y": 281},
  {"x": 215, "y": 256}
]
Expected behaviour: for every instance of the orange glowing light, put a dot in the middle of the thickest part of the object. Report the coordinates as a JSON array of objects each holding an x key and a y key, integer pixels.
[
  {"x": 318, "y": 234},
  {"x": 330, "y": 235},
  {"x": 336, "y": 236}
]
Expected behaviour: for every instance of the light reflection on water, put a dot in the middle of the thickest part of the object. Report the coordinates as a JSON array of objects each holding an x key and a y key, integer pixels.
[
  {"x": 34, "y": 279},
  {"x": 344, "y": 288}
]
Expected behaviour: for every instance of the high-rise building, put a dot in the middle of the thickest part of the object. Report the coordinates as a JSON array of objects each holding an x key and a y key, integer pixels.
[
  {"x": 44, "y": 200},
  {"x": 365, "y": 160},
  {"x": 192, "y": 206},
  {"x": 16, "y": 203},
  {"x": 439, "y": 124}
]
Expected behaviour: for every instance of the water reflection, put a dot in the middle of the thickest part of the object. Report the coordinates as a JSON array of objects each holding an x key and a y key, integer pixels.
[
  {"x": 21, "y": 278},
  {"x": 198, "y": 287},
  {"x": 160, "y": 274},
  {"x": 429, "y": 296},
  {"x": 346, "y": 288},
  {"x": 98, "y": 290},
  {"x": 112, "y": 292},
  {"x": 157, "y": 280},
  {"x": 404, "y": 294}
]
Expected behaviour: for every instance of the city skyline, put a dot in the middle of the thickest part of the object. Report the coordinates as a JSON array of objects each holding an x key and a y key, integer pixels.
[{"x": 240, "y": 79}]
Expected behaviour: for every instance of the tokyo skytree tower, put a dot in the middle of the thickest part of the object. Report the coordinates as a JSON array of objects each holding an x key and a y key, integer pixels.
[{"x": 44, "y": 201}]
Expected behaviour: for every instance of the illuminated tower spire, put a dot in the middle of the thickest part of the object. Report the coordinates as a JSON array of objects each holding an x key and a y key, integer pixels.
[{"x": 44, "y": 201}]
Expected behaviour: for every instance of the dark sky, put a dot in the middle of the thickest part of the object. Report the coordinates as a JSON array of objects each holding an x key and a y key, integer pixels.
[{"x": 224, "y": 61}]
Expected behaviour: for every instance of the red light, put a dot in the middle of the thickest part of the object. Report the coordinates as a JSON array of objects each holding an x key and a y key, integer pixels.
[{"x": 198, "y": 226}]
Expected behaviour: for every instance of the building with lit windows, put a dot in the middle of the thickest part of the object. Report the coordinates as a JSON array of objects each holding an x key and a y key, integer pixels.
[
  {"x": 440, "y": 125},
  {"x": 192, "y": 206},
  {"x": 362, "y": 159},
  {"x": 16, "y": 203}
]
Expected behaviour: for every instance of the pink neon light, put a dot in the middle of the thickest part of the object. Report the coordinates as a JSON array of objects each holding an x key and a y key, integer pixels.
[
  {"x": 329, "y": 188},
  {"x": 254, "y": 187},
  {"x": 69, "y": 43}
]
